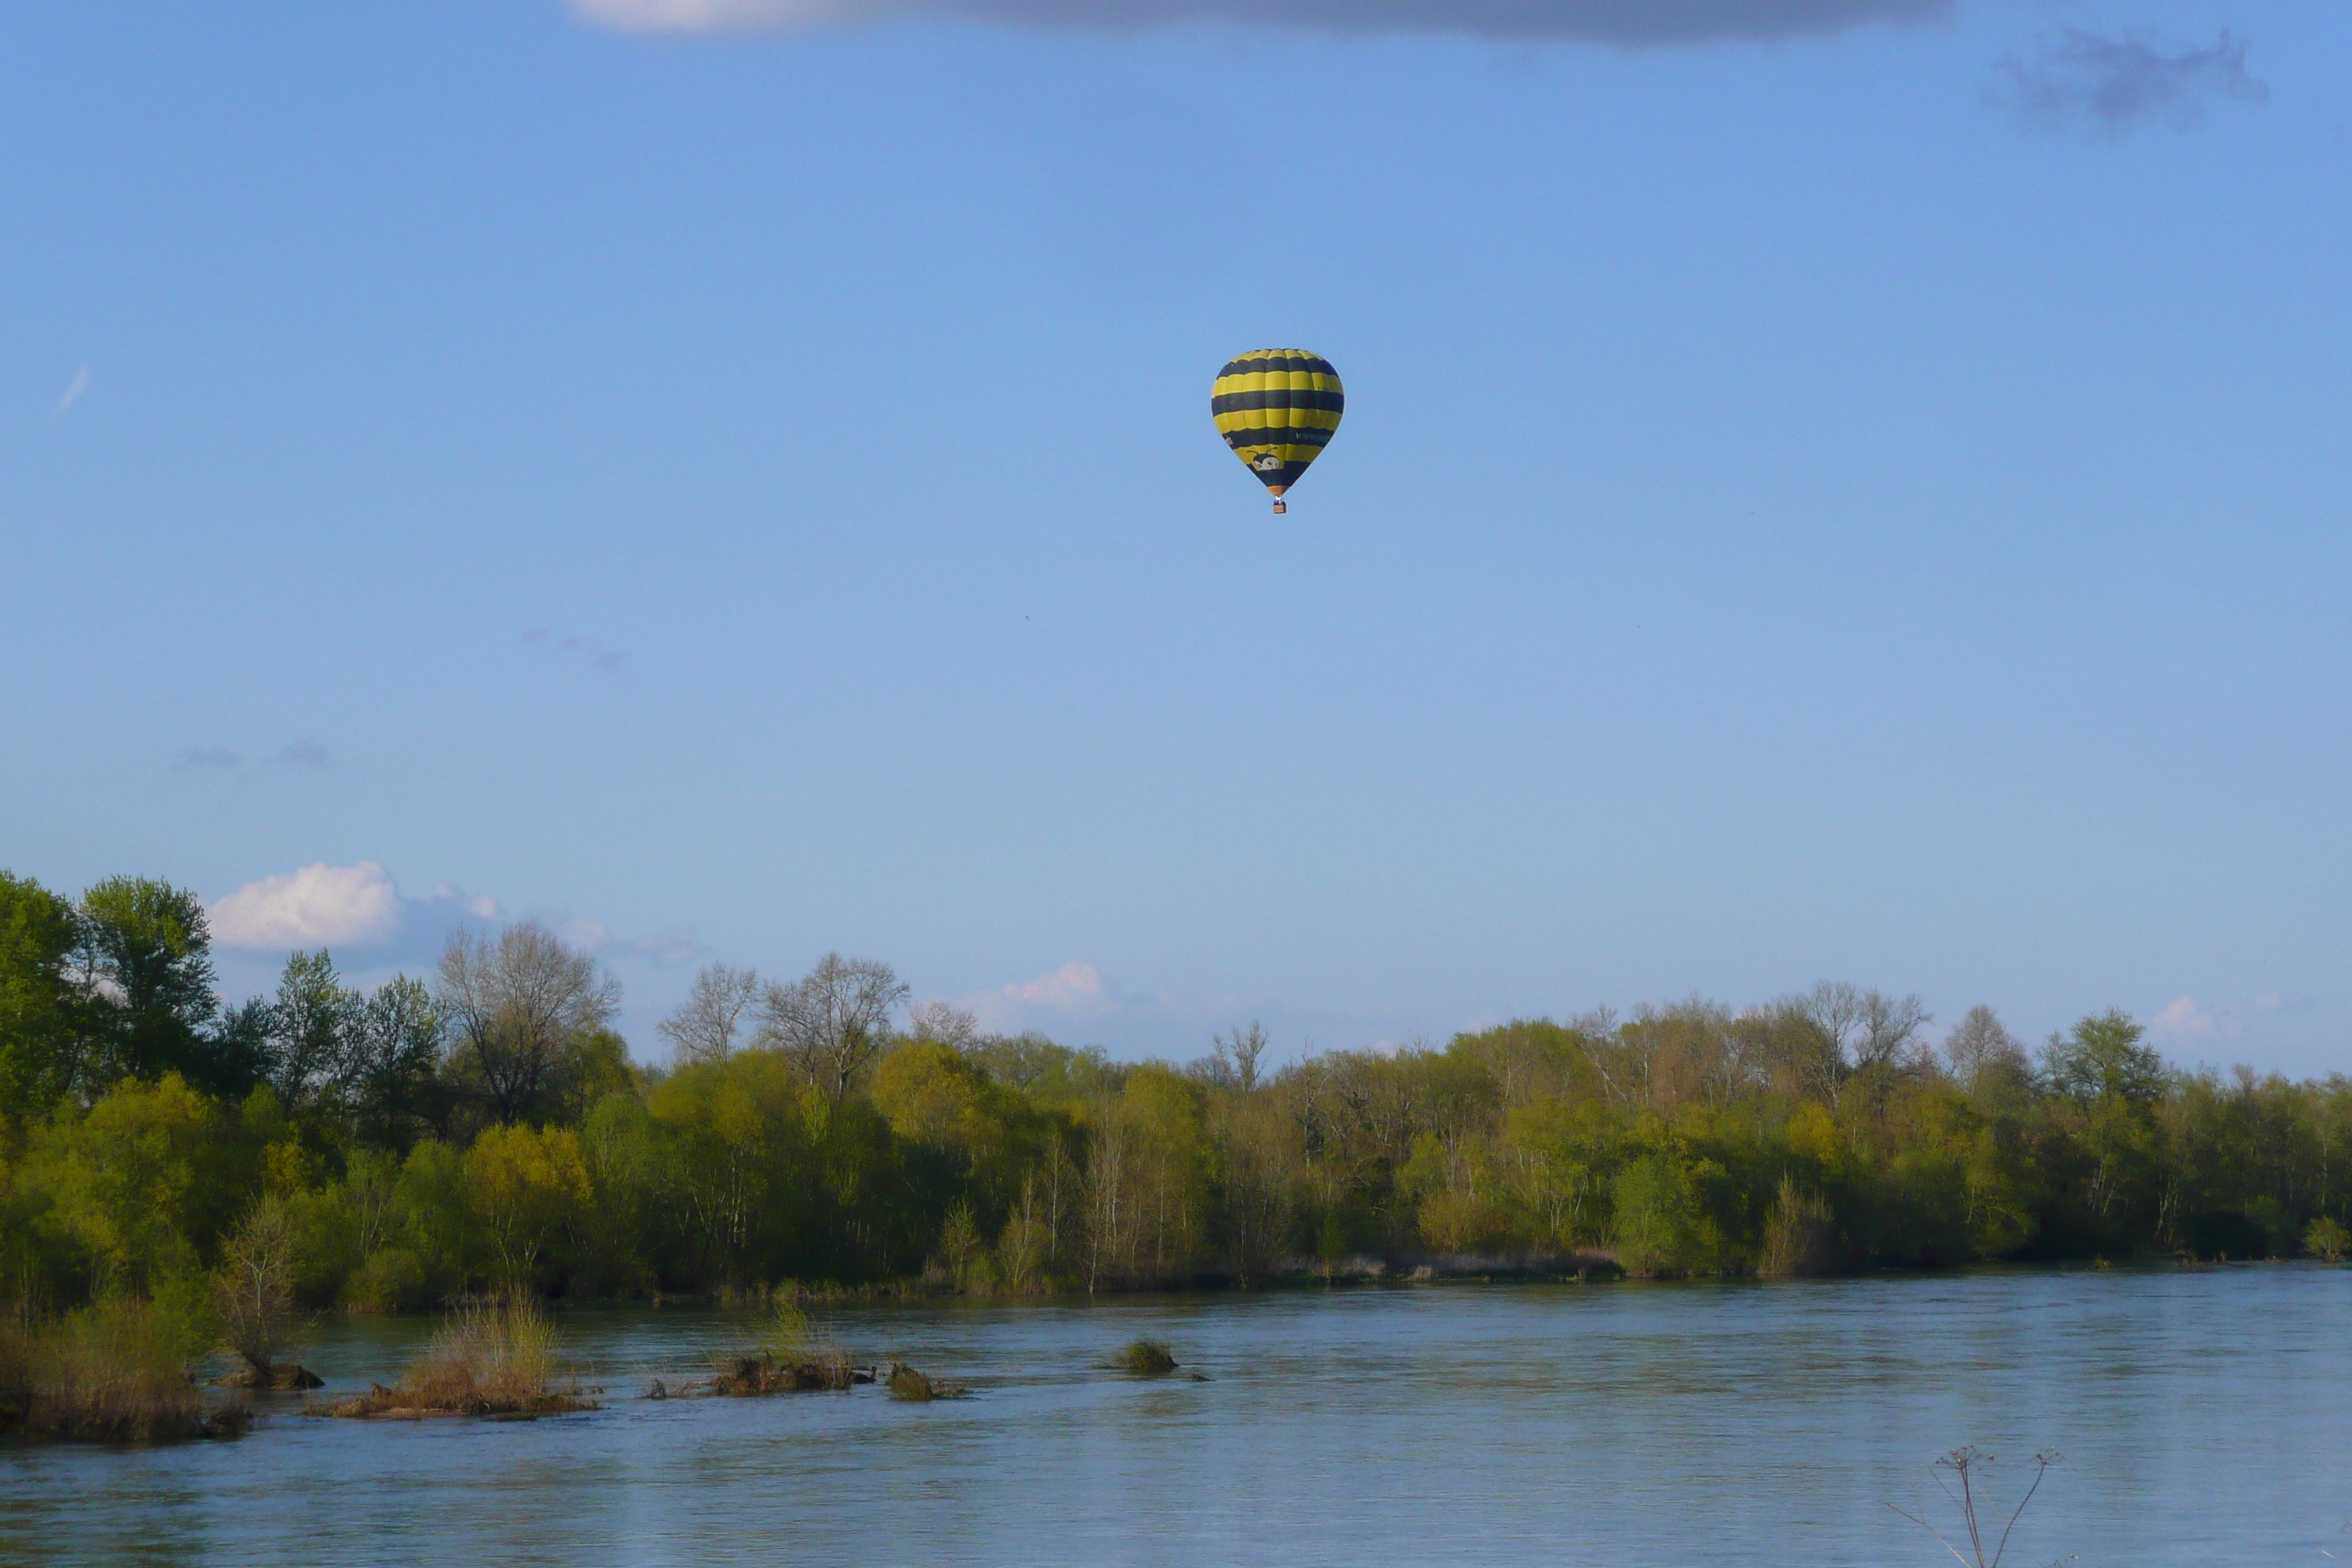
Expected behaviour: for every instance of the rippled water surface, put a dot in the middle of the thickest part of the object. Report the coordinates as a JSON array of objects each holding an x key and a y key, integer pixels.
[{"x": 2204, "y": 1417}]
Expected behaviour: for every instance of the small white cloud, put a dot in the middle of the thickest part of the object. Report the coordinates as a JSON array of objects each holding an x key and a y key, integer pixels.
[
  {"x": 1074, "y": 993},
  {"x": 1072, "y": 988},
  {"x": 74, "y": 389},
  {"x": 318, "y": 905}
]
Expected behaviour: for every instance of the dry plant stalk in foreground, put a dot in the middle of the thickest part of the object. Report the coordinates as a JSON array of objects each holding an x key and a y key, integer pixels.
[{"x": 1962, "y": 1463}]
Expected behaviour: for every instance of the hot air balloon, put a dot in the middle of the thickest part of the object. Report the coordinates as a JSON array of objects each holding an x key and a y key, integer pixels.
[{"x": 1276, "y": 408}]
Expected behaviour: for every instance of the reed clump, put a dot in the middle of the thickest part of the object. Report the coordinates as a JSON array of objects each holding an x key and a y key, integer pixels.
[
  {"x": 488, "y": 1358},
  {"x": 1146, "y": 1358},
  {"x": 114, "y": 1373},
  {"x": 916, "y": 1387}
]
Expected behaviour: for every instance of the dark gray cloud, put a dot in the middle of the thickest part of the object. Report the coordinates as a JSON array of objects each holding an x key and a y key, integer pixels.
[
  {"x": 1627, "y": 23},
  {"x": 2114, "y": 82},
  {"x": 306, "y": 753},
  {"x": 602, "y": 659},
  {"x": 193, "y": 757}
]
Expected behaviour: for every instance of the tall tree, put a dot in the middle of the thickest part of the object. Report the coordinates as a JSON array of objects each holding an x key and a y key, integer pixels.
[
  {"x": 314, "y": 1022},
  {"x": 387, "y": 1088},
  {"x": 2103, "y": 1058},
  {"x": 145, "y": 959},
  {"x": 515, "y": 1006},
  {"x": 41, "y": 1015},
  {"x": 833, "y": 1021}
]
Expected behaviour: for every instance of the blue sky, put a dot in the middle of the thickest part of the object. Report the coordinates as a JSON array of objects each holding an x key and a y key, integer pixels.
[{"x": 733, "y": 479}]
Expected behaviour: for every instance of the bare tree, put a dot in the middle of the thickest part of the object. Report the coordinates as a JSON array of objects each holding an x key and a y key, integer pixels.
[
  {"x": 514, "y": 1004},
  {"x": 1836, "y": 1030},
  {"x": 255, "y": 1288},
  {"x": 833, "y": 1021},
  {"x": 703, "y": 1027},
  {"x": 1238, "y": 1052},
  {"x": 1889, "y": 1029},
  {"x": 946, "y": 1024},
  {"x": 1980, "y": 1041}
]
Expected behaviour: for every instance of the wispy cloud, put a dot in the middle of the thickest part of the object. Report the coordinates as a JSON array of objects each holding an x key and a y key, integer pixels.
[
  {"x": 1625, "y": 23},
  {"x": 191, "y": 758},
  {"x": 672, "y": 949},
  {"x": 2113, "y": 83},
  {"x": 306, "y": 753},
  {"x": 74, "y": 389},
  {"x": 481, "y": 906},
  {"x": 602, "y": 659},
  {"x": 2184, "y": 1022},
  {"x": 318, "y": 905}
]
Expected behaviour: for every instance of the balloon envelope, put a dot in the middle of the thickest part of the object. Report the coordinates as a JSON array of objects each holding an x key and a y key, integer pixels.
[{"x": 1276, "y": 408}]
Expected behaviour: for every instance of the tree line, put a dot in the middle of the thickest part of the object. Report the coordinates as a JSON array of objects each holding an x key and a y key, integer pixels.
[{"x": 485, "y": 1128}]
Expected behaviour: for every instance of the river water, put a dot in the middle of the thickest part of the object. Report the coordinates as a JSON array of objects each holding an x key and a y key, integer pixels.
[{"x": 2203, "y": 1417}]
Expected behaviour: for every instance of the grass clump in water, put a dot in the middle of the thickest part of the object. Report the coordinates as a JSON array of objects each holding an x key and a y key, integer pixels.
[
  {"x": 115, "y": 1372},
  {"x": 1146, "y": 1358},
  {"x": 489, "y": 1358},
  {"x": 787, "y": 1360},
  {"x": 905, "y": 1383}
]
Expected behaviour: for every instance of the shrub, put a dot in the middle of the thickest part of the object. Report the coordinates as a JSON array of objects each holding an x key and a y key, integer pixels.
[
  {"x": 1146, "y": 1358},
  {"x": 115, "y": 1372},
  {"x": 2326, "y": 1237},
  {"x": 1800, "y": 1237},
  {"x": 905, "y": 1383},
  {"x": 489, "y": 1358}
]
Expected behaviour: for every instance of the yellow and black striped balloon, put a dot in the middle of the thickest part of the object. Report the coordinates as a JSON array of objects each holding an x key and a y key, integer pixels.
[{"x": 1276, "y": 408}]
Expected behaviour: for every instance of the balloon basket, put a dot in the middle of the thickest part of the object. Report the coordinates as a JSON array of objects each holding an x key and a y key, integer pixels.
[{"x": 1279, "y": 507}]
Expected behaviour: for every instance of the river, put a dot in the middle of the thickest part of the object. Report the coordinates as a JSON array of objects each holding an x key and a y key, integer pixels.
[{"x": 2203, "y": 1417}]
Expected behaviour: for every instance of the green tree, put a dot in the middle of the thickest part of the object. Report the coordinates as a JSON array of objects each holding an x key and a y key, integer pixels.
[
  {"x": 2102, "y": 1057},
  {"x": 1661, "y": 1224},
  {"x": 41, "y": 1012},
  {"x": 313, "y": 1024},
  {"x": 386, "y": 1087},
  {"x": 145, "y": 961},
  {"x": 529, "y": 1189},
  {"x": 143, "y": 1180}
]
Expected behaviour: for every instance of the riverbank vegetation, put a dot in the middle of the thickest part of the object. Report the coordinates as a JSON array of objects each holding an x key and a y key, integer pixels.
[{"x": 484, "y": 1130}]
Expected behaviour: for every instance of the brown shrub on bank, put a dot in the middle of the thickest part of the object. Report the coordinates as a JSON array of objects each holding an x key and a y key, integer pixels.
[{"x": 489, "y": 1358}]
